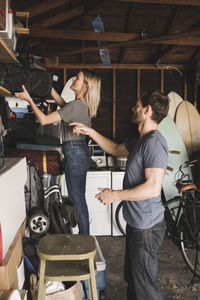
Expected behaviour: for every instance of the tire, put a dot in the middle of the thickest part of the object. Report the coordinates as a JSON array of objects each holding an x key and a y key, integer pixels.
[
  {"x": 119, "y": 218},
  {"x": 38, "y": 222},
  {"x": 171, "y": 210},
  {"x": 189, "y": 248}
]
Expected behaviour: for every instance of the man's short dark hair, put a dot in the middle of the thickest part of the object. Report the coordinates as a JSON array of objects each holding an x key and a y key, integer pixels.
[{"x": 159, "y": 103}]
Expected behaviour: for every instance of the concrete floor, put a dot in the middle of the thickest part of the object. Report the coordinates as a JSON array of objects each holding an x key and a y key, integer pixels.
[{"x": 174, "y": 277}]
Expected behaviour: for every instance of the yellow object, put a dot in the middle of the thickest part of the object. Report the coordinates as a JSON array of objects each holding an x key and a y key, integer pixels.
[
  {"x": 44, "y": 162},
  {"x": 67, "y": 257}
]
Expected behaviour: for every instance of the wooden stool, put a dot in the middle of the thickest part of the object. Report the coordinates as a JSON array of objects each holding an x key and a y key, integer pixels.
[{"x": 67, "y": 257}]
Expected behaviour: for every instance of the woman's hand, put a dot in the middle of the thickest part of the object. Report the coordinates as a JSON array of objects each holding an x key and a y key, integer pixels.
[
  {"x": 24, "y": 95},
  {"x": 80, "y": 128}
]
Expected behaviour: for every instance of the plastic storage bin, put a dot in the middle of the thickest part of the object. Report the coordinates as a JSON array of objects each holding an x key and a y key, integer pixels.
[{"x": 101, "y": 272}]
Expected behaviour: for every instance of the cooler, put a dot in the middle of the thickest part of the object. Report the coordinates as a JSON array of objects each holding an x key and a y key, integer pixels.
[{"x": 101, "y": 272}]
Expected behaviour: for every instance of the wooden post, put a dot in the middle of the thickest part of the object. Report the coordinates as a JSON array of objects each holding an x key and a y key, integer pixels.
[
  {"x": 162, "y": 80},
  {"x": 64, "y": 76},
  {"x": 138, "y": 83},
  {"x": 185, "y": 86},
  {"x": 114, "y": 104},
  {"x": 195, "y": 95}
]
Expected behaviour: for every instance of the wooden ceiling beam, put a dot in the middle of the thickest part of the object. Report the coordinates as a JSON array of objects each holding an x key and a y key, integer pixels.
[
  {"x": 89, "y": 7},
  {"x": 44, "y": 6},
  {"x": 135, "y": 43},
  {"x": 185, "y": 41},
  {"x": 161, "y": 50},
  {"x": 127, "y": 23},
  {"x": 80, "y": 34},
  {"x": 195, "y": 54},
  {"x": 173, "y": 2},
  {"x": 62, "y": 17},
  {"x": 114, "y": 66}
]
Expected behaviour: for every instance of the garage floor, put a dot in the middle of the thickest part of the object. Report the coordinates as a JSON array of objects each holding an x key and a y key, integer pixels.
[{"x": 174, "y": 277}]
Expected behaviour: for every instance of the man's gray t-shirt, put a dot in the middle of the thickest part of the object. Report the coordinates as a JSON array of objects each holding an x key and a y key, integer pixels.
[
  {"x": 151, "y": 151},
  {"x": 74, "y": 111}
]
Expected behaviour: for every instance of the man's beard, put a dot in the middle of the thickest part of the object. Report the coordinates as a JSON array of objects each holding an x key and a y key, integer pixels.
[{"x": 135, "y": 119}]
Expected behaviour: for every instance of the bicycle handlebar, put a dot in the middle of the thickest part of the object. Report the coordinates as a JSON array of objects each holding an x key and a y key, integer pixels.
[{"x": 181, "y": 181}]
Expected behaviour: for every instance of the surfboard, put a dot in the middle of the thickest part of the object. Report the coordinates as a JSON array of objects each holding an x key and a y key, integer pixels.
[
  {"x": 177, "y": 156},
  {"x": 175, "y": 100},
  {"x": 188, "y": 122},
  {"x": 67, "y": 93}
]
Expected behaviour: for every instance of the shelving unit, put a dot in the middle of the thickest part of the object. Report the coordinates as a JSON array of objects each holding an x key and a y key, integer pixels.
[{"x": 7, "y": 55}]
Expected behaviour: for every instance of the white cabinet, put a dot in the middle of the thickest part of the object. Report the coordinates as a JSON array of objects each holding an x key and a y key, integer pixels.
[
  {"x": 99, "y": 214},
  {"x": 12, "y": 205},
  {"x": 117, "y": 184}
]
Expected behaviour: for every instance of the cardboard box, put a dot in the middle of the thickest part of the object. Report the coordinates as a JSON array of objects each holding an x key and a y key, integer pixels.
[
  {"x": 11, "y": 262},
  {"x": 15, "y": 294}
]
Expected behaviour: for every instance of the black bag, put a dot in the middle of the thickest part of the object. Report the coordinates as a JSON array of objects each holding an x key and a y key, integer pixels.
[
  {"x": 34, "y": 193},
  {"x": 63, "y": 216},
  {"x": 37, "y": 82},
  {"x": 5, "y": 114}
]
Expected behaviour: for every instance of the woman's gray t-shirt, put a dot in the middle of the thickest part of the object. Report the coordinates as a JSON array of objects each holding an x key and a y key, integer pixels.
[
  {"x": 151, "y": 151},
  {"x": 74, "y": 111}
]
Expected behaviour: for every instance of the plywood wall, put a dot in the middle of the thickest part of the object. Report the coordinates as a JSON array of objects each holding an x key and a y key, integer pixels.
[{"x": 120, "y": 90}]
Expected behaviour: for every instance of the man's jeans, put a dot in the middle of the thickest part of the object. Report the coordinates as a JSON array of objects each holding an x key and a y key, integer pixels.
[
  {"x": 77, "y": 162},
  {"x": 141, "y": 262}
]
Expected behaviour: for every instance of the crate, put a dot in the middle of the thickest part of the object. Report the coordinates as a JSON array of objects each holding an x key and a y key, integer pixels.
[{"x": 101, "y": 272}]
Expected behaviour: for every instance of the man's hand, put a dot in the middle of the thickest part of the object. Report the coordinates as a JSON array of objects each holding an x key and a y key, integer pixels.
[
  {"x": 106, "y": 196},
  {"x": 80, "y": 128},
  {"x": 24, "y": 95}
]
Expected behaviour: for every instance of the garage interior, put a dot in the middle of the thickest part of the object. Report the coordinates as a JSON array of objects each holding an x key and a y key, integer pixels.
[{"x": 133, "y": 45}]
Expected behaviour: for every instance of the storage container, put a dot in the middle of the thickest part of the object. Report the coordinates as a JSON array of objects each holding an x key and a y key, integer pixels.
[{"x": 101, "y": 272}]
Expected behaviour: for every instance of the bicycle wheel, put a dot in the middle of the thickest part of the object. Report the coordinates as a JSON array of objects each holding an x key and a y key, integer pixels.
[
  {"x": 190, "y": 249},
  {"x": 121, "y": 223},
  {"x": 172, "y": 219}
]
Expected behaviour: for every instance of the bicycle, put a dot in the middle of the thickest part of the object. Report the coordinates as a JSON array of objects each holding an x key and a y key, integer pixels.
[{"x": 182, "y": 215}]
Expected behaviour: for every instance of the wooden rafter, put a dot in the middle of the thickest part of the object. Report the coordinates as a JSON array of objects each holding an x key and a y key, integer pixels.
[
  {"x": 89, "y": 7},
  {"x": 44, "y": 6},
  {"x": 113, "y": 66},
  {"x": 160, "y": 51},
  {"x": 132, "y": 43},
  {"x": 195, "y": 54},
  {"x": 185, "y": 41},
  {"x": 59, "y": 18},
  {"x": 80, "y": 34},
  {"x": 172, "y": 2},
  {"x": 128, "y": 20}
]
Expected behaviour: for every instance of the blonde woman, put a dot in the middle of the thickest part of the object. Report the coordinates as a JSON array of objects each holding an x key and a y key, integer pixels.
[{"x": 86, "y": 85}]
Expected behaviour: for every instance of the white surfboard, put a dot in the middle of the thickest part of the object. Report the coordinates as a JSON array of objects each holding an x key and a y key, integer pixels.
[
  {"x": 176, "y": 145},
  {"x": 67, "y": 93},
  {"x": 187, "y": 120},
  {"x": 175, "y": 100}
]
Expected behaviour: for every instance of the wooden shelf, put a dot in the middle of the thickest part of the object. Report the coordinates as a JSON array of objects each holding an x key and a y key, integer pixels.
[
  {"x": 5, "y": 53},
  {"x": 22, "y": 15}
]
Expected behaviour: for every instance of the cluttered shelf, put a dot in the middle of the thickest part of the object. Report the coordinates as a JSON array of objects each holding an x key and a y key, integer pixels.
[{"x": 8, "y": 34}]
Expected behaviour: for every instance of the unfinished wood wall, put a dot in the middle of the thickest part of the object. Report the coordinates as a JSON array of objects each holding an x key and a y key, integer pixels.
[{"x": 120, "y": 90}]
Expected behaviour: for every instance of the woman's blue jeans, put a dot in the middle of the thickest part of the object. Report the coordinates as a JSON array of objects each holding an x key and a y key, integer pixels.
[
  {"x": 77, "y": 162},
  {"x": 141, "y": 262}
]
